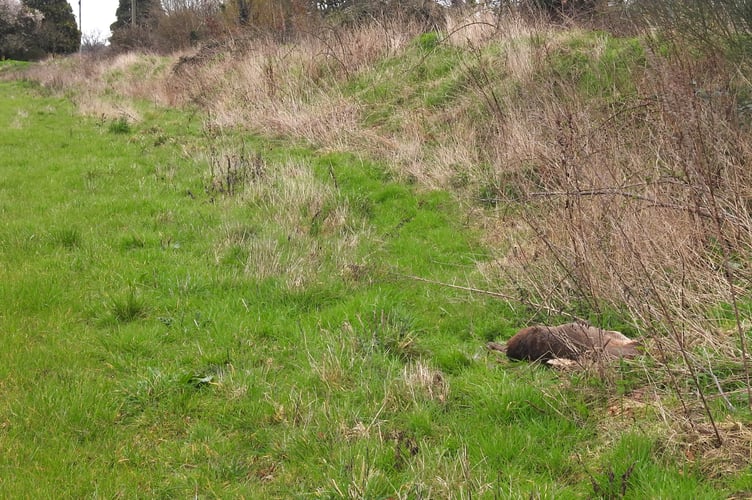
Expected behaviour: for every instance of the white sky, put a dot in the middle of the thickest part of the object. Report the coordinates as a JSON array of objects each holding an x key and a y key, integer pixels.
[{"x": 97, "y": 16}]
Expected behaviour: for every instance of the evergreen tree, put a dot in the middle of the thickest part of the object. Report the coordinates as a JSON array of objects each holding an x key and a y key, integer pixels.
[
  {"x": 59, "y": 33},
  {"x": 129, "y": 33},
  {"x": 147, "y": 12}
]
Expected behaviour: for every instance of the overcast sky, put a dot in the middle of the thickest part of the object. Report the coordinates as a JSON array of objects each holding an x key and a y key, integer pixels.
[{"x": 97, "y": 16}]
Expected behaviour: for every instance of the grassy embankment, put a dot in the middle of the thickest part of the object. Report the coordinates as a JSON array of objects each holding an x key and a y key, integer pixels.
[{"x": 192, "y": 308}]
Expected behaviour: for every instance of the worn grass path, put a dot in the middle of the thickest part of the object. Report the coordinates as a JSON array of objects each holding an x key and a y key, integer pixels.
[{"x": 163, "y": 338}]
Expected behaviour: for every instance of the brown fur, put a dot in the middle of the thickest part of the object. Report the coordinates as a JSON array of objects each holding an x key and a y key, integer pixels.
[{"x": 569, "y": 341}]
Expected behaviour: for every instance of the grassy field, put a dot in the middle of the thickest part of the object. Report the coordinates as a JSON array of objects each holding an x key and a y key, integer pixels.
[
  {"x": 163, "y": 337},
  {"x": 194, "y": 310}
]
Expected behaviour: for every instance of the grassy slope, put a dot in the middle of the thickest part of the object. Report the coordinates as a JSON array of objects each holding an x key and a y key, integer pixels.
[{"x": 146, "y": 353}]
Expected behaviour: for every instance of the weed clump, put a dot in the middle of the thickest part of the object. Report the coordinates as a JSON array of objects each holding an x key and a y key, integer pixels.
[
  {"x": 67, "y": 238},
  {"x": 120, "y": 126},
  {"x": 390, "y": 332},
  {"x": 231, "y": 171},
  {"x": 129, "y": 306}
]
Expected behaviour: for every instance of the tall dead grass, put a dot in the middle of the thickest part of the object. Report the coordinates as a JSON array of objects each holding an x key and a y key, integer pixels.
[
  {"x": 301, "y": 233},
  {"x": 105, "y": 87},
  {"x": 289, "y": 89},
  {"x": 644, "y": 201}
]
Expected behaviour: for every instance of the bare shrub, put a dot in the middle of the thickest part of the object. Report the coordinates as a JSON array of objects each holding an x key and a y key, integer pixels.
[
  {"x": 231, "y": 171},
  {"x": 642, "y": 210},
  {"x": 722, "y": 25}
]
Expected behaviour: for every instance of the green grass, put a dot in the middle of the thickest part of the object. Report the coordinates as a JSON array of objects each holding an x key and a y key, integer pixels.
[
  {"x": 601, "y": 65},
  {"x": 9, "y": 65},
  {"x": 166, "y": 338},
  {"x": 428, "y": 75}
]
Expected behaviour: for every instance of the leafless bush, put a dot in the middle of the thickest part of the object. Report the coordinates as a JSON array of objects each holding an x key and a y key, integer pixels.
[
  {"x": 640, "y": 208},
  {"x": 93, "y": 43},
  {"x": 713, "y": 26}
]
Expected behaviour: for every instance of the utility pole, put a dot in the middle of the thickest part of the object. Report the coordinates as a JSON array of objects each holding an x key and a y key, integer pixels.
[
  {"x": 133, "y": 13},
  {"x": 80, "y": 29}
]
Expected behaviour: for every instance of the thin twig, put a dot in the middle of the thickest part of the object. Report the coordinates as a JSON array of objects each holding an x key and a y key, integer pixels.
[
  {"x": 720, "y": 390},
  {"x": 682, "y": 349},
  {"x": 624, "y": 194},
  {"x": 504, "y": 296}
]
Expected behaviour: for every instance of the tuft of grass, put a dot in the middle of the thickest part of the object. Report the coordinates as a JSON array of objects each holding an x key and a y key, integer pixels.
[
  {"x": 391, "y": 333},
  {"x": 120, "y": 126},
  {"x": 428, "y": 41},
  {"x": 67, "y": 238},
  {"x": 129, "y": 306},
  {"x": 132, "y": 242},
  {"x": 599, "y": 65}
]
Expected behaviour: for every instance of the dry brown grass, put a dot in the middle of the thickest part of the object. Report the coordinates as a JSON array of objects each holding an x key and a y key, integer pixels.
[
  {"x": 291, "y": 89},
  {"x": 639, "y": 208},
  {"x": 106, "y": 87},
  {"x": 281, "y": 241}
]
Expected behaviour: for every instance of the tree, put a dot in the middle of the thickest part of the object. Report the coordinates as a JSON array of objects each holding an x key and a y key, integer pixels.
[
  {"x": 129, "y": 32},
  {"x": 188, "y": 22},
  {"x": 568, "y": 7},
  {"x": 9, "y": 13},
  {"x": 147, "y": 12},
  {"x": 430, "y": 13},
  {"x": 19, "y": 28},
  {"x": 59, "y": 32}
]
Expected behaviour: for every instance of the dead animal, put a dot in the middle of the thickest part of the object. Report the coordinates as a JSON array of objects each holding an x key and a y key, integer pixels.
[{"x": 571, "y": 341}]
